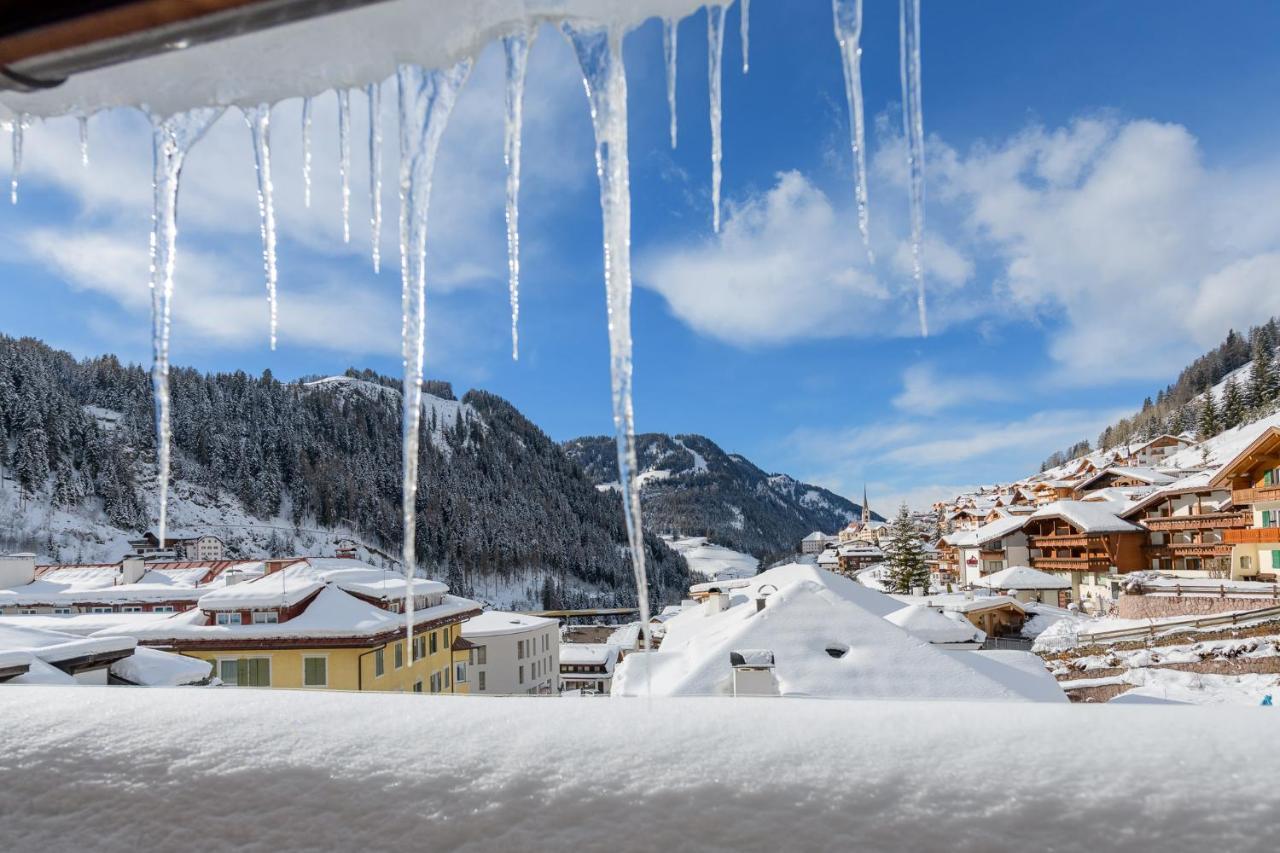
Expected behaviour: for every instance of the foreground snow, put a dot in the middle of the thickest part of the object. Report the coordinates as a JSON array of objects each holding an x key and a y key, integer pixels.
[{"x": 115, "y": 769}]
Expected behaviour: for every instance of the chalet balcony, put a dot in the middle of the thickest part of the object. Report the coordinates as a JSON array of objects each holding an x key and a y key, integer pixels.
[
  {"x": 1066, "y": 540},
  {"x": 1252, "y": 536},
  {"x": 1190, "y": 549},
  {"x": 1203, "y": 521},
  {"x": 1253, "y": 496},
  {"x": 1071, "y": 564}
]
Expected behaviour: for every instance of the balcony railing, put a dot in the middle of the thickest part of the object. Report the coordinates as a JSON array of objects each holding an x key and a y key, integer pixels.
[
  {"x": 1191, "y": 549},
  {"x": 1067, "y": 540},
  {"x": 1254, "y": 535},
  {"x": 1204, "y": 521},
  {"x": 1071, "y": 564},
  {"x": 1253, "y": 496}
]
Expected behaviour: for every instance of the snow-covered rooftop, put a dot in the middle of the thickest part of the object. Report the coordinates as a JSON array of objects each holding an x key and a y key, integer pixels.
[
  {"x": 591, "y": 654},
  {"x": 812, "y": 612},
  {"x": 1023, "y": 577},
  {"x": 930, "y": 625},
  {"x": 494, "y": 623},
  {"x": 54, "y": 646},
  {"x": 1088, "y": 517}
]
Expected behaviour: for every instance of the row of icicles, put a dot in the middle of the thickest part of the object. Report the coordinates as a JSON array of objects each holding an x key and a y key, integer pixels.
[{"x": 426, "y": 99}]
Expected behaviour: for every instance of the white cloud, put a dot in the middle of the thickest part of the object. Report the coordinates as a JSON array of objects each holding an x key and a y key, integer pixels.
[
  {"x": 924, "y": 392},
  {"x": 959, "y": 443}
]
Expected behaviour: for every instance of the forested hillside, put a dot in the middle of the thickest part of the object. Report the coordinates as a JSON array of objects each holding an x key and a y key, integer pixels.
[
  {"x": 693, "y": 488},
  {"x": 503, "y": 511}
]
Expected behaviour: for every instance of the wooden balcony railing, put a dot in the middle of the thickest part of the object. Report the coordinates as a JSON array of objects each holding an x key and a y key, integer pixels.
[
  {"x": 1204, "y": 521},
  {"x": 1191, "y": 549},
  {"x": 1067, "y": 540},
  {"x": 1257, "y": 495},
  {"x": 1071, "y": 564},
  {"x": 1254, "y": 535}
]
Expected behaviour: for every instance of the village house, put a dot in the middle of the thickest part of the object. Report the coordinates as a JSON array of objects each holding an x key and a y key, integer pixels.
[
  {"x": 588, "y": 667},
  {"x": 322, "y": 623},
  {"x": 816, "y": 542},
  {"x": 1026, "y": 584},
  {"x": 1158, "y": 450},
  {"x": 1188, "y": 522},
  {"x": 1087, "y": 543},
  {"x": 1119, "y": 477},
  {"x": 855, "y": 556},
  {"x": 992, "y": 547},
  {"x": 179, "y": 546},
  {"x": 513, "y": 654},
  {"x": 1253, "y": 476}
]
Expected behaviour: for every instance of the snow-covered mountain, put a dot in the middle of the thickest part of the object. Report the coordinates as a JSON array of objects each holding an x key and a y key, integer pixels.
[
  {"x": 504, "y": 514},
  {"x": 691, "y": 487}
]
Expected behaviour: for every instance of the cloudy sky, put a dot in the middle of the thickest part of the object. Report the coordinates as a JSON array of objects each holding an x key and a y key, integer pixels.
[{"x": 1101, "y": 185}]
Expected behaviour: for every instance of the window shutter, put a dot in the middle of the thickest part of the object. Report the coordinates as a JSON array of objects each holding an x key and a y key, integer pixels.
[{"x": 1275, "y": 559}]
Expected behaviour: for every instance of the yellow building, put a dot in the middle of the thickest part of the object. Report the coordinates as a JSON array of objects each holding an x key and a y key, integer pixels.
[{"x": 332, "y": 624}]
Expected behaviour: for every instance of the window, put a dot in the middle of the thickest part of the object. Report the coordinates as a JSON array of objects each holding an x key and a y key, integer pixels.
[
  {"x": 522, "y": 675},
  {"x": 1245, "y": 565},
  {"x": 379, "y": 663},
  {"x": 399, "y": 655},
  {"x": 1275, "y": 559},
  {"x": 28, "y": 613},
  {"x": 417, "y": 686},
  {"x": 448, "y": 632},
  {"x": 480, "y": 681},
  {"x": 435, "y": 639},
  {"x": 460, "y": 673},
  {"x": 165, "y": 609},
  {"x": 447, "y": 685},
  {"x": 130, "y": 608},
  {"x": 228, "y": 618},
  {"x": 520, "y": 650},
  {"x": 245, "y": 672},
  {"x": 266, "y": 617},
  {"x": 420, "y": 647},
  {"x": 481, "y": 656},
  {"x": 1270, "y": 518},
  {"x": 62, "y": 611},
  {"x": 102, "y": 610},
  {"x": 435, "y": 682},
  {"x": 315, "y": 672}
]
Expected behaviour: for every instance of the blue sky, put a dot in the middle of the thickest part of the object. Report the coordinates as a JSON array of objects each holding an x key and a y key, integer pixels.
[{"x": 1100, "y": 187}]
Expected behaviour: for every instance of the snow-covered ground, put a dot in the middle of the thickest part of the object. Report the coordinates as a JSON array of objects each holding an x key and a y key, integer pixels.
[
  {"x": 713, "y": 562},
  {"x": 112, "y": 769}
]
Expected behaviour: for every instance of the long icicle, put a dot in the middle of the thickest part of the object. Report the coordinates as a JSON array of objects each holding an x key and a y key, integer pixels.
[
  {"x": 306, "y": 151},
  {"x": 913, "y": 130},
  {"x": 599, "y": 52},
  {"x": 670, "y": 28},
  {"x": 848, "y": 27},
  {"x": 426, "y": 99},
  {"x": 259, "y": 120},
  {"x": 344, "y": 159},
  {"x": 715, "y": 50},
  {"x": 172, "y": 138},
  {"x": 744, "y": 29},
  {"x": 84, "y": 140},
  {"x": 516, "y": 47},
  {"x": 374, "y": 91},
  {"x": 19, "y": 125}
]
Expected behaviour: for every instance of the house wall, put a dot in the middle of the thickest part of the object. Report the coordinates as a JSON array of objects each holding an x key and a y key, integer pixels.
[{"x": 503, "y": 663}]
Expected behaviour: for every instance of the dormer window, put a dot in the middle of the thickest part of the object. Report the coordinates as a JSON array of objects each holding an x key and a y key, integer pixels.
[
  {"x": 266, "y": 617},
  {"x": 228, "y": 618}
]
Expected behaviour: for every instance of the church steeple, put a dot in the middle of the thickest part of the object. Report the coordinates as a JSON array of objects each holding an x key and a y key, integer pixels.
[{"x": 866, "y": 509}]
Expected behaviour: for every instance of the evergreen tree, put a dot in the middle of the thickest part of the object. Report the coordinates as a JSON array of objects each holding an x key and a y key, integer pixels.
[
  {"x": 1210, "y": 425},
  {"x": 905, "y": 555},
  {"x": 1264, "y": 384},
  {"x": 1234, "y": 406}
]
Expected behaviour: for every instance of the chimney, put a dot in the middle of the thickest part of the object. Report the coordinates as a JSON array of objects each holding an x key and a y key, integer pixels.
[
  {"x": 17, "y": 570},
  {"x": 753, "y": 672},
  {"x": 232, "y": 577},
  {"x": 131, "y": 570},
  {"x": 270, "y": 567},
  {"x": 717, "y": 602}
]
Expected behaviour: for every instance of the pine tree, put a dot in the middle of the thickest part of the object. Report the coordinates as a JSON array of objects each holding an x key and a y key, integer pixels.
[
  {"x": 1234, "y": 406},
  {"x": 1209, "y": 422},
  {"x": 1264, "y": 385},
  {"x": 905, "y": 555}
]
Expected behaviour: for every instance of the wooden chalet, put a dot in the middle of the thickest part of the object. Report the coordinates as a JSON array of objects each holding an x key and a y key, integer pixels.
[
  {"x": 1253, "y": 477},
  {"x": 1188, "y": 523}
]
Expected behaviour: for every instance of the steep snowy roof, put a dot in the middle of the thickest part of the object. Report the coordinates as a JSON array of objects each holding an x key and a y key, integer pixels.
[
  {"x": 495, "y": 623},
  {"x": 1023, "y": 577},
  {"x": 813, "y": 611},
  {"x": 590, "y": 654},
  {"x": 930, "y": 625},
  {"x": 1088, "y": 517},
  {"x": 815, "y": 536},
  {"x": 998, "y": 529}
]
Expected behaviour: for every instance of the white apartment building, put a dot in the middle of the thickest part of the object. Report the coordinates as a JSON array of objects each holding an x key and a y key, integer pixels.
[{"x": 515, "y": 654}]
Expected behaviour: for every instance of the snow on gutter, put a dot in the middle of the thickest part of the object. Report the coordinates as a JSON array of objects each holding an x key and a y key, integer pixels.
[{"x": 343, "y": 50}]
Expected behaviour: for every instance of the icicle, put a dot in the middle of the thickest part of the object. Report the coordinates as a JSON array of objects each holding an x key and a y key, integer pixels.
[
  {"x": 848, "y": 26},
  {"x": 374, "y": 91},
  {"x": 84, "y": 140},
  {"x": 745, "y": 31},
  {"x": 669, "y": 32},
  {"x": 599, "y": 53},
  {"x": 172, "y": 138},
  {"x": 715, "y": 48},
  {"x": 913, "y": 130},
  {"x": 426, "y": 99},
  {"x": 306, "y": 151},
  {"x": 344, "y": 159},
  {"x": 18, "y": 126},
  {"x": 516, "y": 47},
  {"x": 259, "y": 121}
]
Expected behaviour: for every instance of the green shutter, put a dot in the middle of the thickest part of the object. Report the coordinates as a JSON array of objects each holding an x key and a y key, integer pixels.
[
  {"x": 1269, "y": 478},
  {"x": 1275, "y": 559},
  {"x": 1266, "y": 518},
  {"x": 259, "y": 672},
  {"x": 314, "y": 674}
]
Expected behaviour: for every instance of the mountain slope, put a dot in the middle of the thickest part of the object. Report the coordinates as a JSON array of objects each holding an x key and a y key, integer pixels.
[
  {"x": 503, "y": 513},
  {"x": 690, "y": 487}
]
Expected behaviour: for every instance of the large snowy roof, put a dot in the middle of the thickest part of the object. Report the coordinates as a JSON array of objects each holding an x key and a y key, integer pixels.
[
  {"x": 813, "y": 611},
  {"x": 54, "y": 646},
  {"x": 597, "y": 654},
  {"x": 58, "y": 585},
  {"x": 1023, "y": 577},
  {"x": 494, "y": 623},
  {"x": 1088, "y": 517},
  {"x": 998, "y": 529},
  {"x": 155, "y": 668}
]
